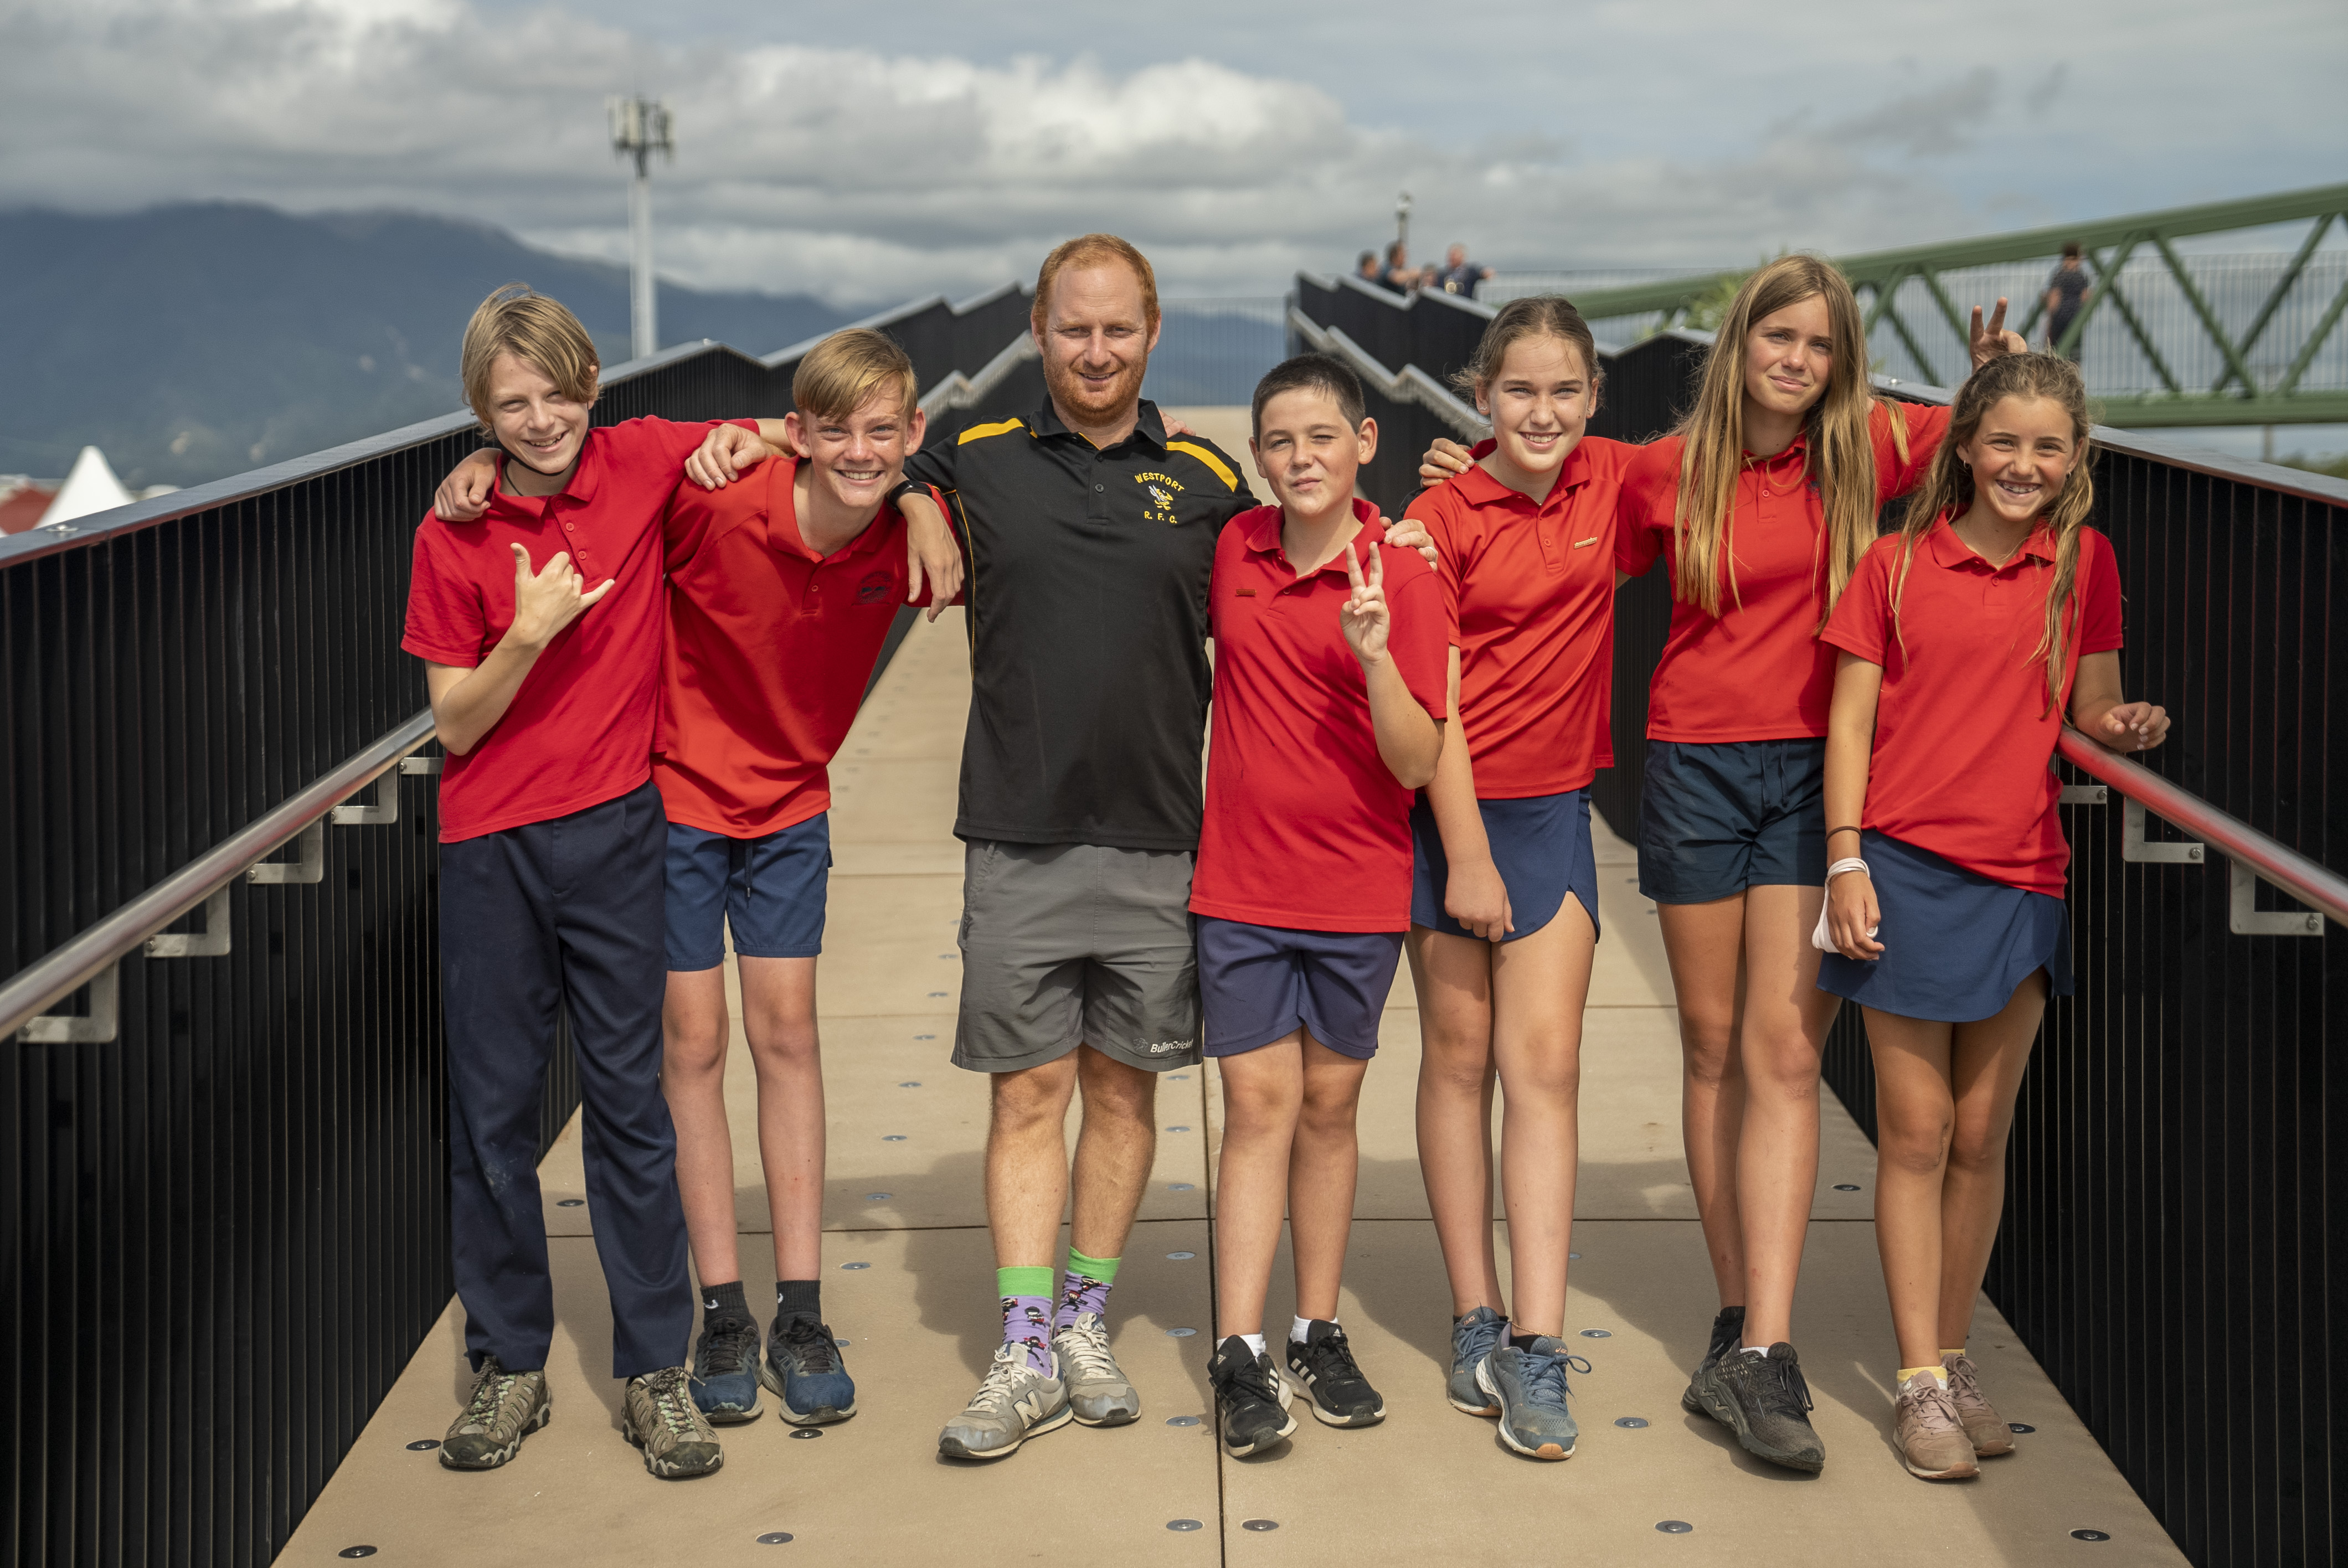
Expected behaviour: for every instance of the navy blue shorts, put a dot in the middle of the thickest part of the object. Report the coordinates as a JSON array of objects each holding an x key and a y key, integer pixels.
[
  {"x": 770, "y": 890},
  {"x": 1955, "y": 943},
  {"x": 1258, "y": 983},
  {"x": 1715, "y": 819},
  {"x": 1540, "y": 844}
]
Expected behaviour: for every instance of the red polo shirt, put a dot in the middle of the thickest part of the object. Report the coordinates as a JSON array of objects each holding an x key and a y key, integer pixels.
[
  {"x": 579, "y": 731},
  {"x": 1756, "y": 671},
  {"x": 1962, "y": 731},
  {"x": 1531, "y": 585},
  {"x": 1306, "y": 828},
  {"x": 770, "y": 648}
]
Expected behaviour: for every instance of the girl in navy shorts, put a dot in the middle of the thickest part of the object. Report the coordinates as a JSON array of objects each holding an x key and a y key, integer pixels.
[
  {"x": 1504, "y": 907},
  {"x": 1963, "y": 641}
]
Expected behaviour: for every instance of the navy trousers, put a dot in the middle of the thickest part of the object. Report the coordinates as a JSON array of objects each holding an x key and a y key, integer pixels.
[{"x": 567, "y": 912}]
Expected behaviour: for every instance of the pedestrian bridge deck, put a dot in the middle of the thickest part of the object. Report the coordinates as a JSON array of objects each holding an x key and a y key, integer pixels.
[{"x": 907, "y": 1283}]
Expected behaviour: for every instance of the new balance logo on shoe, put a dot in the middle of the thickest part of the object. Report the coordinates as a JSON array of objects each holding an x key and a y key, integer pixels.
[{"x": 1030, "y": 1407}]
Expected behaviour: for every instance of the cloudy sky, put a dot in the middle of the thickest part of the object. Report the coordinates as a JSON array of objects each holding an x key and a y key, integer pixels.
[{"x": 869, "y": 153}]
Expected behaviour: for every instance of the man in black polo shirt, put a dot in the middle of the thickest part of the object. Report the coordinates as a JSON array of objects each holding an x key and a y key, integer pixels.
[{"x": 1091, "y": 535}]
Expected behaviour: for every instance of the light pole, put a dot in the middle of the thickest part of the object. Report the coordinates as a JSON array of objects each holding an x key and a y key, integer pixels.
[
  {"x": 640, "y": 127},
  {"x": 1401, "y": 219}
]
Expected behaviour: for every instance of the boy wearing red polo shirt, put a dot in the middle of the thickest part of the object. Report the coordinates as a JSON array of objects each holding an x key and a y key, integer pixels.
[
  {"x": 1332, "y": 653},
  {"x": 784, "y": 585},
  {"x": 551, "y": 845}
]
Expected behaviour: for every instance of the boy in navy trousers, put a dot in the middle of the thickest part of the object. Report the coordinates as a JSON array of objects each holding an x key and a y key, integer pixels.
[{"x": 540, "y": 625}]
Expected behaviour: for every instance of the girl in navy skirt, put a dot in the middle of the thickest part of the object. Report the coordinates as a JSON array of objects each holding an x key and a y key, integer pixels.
[
  {"x": 1966, "y": 640},
  {"x": 1504, "y": 900}
]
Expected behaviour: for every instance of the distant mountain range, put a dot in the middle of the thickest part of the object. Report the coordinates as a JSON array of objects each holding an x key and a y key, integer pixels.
[{"x": 193, "y": 342}]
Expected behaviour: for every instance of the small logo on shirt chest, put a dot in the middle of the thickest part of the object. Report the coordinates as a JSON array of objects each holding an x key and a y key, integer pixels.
[
  {"x": 1162, "y": 489},
  {"x": 873, "y": 589}
]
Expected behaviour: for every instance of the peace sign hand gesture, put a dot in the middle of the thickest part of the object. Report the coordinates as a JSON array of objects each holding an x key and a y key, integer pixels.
[
  {"x": 1987, "y": 343},
  {"x": 1364, "y": 617}
]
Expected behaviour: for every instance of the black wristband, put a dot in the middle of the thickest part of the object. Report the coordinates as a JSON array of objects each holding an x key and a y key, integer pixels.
[{"x": 909, "y": 487}]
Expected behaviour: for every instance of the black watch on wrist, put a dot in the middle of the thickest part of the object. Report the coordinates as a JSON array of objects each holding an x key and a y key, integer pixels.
[{"x": 909, "y": 487}]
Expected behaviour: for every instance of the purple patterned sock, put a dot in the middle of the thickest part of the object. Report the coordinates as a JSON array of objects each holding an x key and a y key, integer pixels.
[
  {"x": 1080, "y": 1293},
  {"x": 1026, "y": 1321}
]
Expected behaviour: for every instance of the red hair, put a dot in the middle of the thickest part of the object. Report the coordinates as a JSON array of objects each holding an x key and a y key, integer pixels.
[{"x": 1093, "y": 251}]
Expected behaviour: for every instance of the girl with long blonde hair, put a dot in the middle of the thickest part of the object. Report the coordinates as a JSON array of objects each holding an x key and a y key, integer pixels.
[{"x": 1963, "y": 643}]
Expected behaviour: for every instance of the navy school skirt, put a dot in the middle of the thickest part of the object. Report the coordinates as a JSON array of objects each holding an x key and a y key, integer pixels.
[
  {"x": 1955, "y": 943},
  {"x": 1541, "y": 844}
]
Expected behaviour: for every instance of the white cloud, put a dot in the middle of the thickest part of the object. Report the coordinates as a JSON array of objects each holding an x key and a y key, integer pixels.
[{"x": 866, "y": 176}]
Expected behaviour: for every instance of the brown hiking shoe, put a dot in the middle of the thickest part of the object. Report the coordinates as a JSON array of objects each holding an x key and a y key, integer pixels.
[
  {"x": 1985, "y": 1426},
  {"x": 505, "y": 1408},
  {"x": 1932, "y": 1441},
  {"x": 662, "y": 1419}
]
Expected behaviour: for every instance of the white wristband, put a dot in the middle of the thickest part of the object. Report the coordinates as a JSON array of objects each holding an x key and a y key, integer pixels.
[{"x": 1818, "y": 938}]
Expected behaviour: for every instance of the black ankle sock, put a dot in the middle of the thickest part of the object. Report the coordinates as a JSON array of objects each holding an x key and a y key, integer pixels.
[
  {"x": 724, "y": 1301},
  {"x": 1521, "y": 1341},
  {"x": 798, "y": 1298}
]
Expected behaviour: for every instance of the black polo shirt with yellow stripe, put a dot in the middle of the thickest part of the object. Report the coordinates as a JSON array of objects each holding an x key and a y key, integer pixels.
[{"x": 1087, "y": 615}]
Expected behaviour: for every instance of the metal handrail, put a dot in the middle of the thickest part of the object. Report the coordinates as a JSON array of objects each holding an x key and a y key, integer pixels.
[
  {"x": 1409, "y": 385},
  {"x": 2316, "y": 886},
  {"x": 31, "y": 991},
  {"x": 960, "y": 391}
]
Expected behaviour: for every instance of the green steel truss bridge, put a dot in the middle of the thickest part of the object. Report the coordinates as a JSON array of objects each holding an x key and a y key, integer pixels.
[{"x": 2173, "y": 334}]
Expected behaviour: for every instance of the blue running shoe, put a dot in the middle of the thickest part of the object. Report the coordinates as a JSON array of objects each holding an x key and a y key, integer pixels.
[
  {"x": 1528, "y": 1384},
  {"x": 1472, "y": 1339},
  {"x": 725, "y": 1371},
  {"x": 804, "y": 1366}
]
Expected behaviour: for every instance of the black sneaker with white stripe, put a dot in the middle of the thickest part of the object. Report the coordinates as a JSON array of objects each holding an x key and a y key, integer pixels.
[
  {"x": 1324, "y": 1367},
  {"x": 1250, "y": 1401}
]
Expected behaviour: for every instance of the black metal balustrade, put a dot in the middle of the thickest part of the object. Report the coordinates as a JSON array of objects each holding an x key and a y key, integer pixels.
[
  {"x": 226, "y": 1220},
  {"x": 2175, "y": 1226}
]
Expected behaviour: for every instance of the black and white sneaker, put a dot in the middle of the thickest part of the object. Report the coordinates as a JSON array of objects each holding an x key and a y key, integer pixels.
[
  {"x": 1250, "y": 1401},
  {"x": 1324, "y": 1367},
  {"x": 1728, "y": 1334}
]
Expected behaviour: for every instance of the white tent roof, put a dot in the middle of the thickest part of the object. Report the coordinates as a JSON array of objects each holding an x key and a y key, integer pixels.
[{"x": 90, "y": 487}]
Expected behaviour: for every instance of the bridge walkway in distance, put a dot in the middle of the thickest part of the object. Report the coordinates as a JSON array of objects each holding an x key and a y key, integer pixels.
[{"x": 907, "y": 1279}]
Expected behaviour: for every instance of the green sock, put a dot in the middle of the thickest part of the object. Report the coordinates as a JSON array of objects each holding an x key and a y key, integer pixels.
[
  {"x": 1026, "y": 1294},
  {"x": 1086, "y": 1289}
]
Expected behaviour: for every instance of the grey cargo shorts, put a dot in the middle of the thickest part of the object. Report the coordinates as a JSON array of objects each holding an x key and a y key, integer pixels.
[{"x": 1069, "y": 944}]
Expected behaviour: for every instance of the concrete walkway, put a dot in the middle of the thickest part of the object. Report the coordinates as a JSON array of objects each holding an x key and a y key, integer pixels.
[{"x": 907, "y": 1283}]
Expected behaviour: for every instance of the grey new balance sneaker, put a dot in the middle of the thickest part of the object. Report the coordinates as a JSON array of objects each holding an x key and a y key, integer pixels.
[
  {"x": 1766, "y": 1401},
  {"x": 1017, "y": 1402},
  {"x": 1527, "y": 1383},
  {"x": 1472, "y": 1339},
  {"x": 1932, "y": 1441},
  {"x": 658, "y": 1416},
  {"x": 1099, "y": 1393},
  {"x": 505, "y": 1408},
  {"x": 1990, "y": 1434}
]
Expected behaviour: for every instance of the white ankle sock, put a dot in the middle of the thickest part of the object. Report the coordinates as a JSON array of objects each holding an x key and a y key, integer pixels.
[
  {"x": 1254, "y": 1343},
  {"x": 1299, "y": 1330},
  {"x": 1755, "y": 1349}
]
